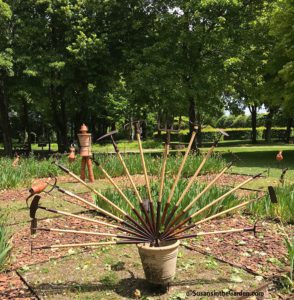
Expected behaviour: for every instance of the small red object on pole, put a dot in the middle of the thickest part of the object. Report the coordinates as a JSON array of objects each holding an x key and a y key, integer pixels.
[
  {"x": 85, "y": 140},
  {"x": 72, "y": 155},
  {"x": 279, "y": 156}
]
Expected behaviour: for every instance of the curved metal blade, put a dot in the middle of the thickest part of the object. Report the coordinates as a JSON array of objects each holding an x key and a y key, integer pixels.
[{"x": 106, "y": 135}]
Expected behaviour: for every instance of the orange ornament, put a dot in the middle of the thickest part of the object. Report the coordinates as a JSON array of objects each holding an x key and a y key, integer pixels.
[
  {"x": 38, "y": 187},
  {"x": 72, "y": 155},
  {"x": 279, "y": 156}
]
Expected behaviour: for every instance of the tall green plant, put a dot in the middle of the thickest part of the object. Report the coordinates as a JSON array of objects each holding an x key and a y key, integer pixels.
[
  {"x": 5, "y": 245},
  {"x": 196, "y": 188},
  {"x": 283, "y": 210}
]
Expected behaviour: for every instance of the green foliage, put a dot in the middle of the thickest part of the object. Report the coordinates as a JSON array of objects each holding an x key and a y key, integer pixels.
[
  {"x": 208, "y": 197},
  {"x": 283, "y": 210},
  {"x": 5, "y": 245},
  {"x": 30, "y": 168},
  {"x": 280, "y": 88},
  {"x": 290, "y": 248}
]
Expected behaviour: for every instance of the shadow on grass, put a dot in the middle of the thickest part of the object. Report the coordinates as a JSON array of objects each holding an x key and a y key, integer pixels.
[{"x": 124, "y": 288}]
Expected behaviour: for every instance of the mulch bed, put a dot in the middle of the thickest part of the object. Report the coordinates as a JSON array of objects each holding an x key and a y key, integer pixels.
[
  {"x": 12, "y": 287},
  {"x": 22, "y": 240},
  {"x": 259, "y": 255}
]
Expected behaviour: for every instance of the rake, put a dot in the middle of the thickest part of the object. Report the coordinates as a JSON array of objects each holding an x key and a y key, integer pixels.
[{"x": 153, "y": 224}]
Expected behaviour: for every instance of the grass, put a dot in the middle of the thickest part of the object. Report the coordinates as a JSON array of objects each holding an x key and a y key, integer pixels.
[
  {"x": 5, "y": 245},
  {"x": 98, "y": 282},
  {"x": 30, "y": 168},
  {"x": 283, "y": 210}
]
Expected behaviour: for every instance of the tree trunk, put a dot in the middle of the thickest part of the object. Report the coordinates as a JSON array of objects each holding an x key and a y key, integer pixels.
[
  {"x": 268, "y": 125},
  {"x": 288, "y": 130},
  {"x": 4, "y": 121},
  {"x": 26, "y": 124},
  {"x": 60, "y": 118},
  {"x": 199, "y": 131},
  {"x": 253, "y": 110},
  {"x": 144, "y": 130},
  {"x": 63, "y": 141},
  {"x": 192, "y": 120}
]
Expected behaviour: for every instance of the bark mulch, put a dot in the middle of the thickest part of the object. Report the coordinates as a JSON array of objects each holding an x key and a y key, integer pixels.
[
  {"x": 263, "y": 254},
  {"x": 12, "y": 287}
]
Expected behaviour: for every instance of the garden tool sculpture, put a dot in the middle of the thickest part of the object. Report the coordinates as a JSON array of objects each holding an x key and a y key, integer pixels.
[
  {"x": 85, "y": 140},
  {"x": 140, "y": 225}
]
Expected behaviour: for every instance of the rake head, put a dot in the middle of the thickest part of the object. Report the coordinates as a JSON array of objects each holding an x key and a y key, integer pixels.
[
  {"x": 111, "y": 133},
  {"x": 169, "y": 125},
  {"x": 137, "y": 124}
]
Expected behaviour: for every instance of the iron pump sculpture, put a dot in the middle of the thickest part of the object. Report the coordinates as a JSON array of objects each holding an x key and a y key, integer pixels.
[{"x": 154, "y": 226}]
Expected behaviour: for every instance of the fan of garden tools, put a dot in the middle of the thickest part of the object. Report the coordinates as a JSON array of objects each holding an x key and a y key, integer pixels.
[{"x": 151, "y": 221}]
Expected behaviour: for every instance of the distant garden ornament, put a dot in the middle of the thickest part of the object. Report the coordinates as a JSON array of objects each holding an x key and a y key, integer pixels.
[
  {"x": 72, "y": 154},
  {"x": 279, "y": 156}
]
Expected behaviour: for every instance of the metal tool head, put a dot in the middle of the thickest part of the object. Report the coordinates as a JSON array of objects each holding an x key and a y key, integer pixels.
[
  {"x": 34, "y": 206},
  {"x": 41, "y": 188},
  {"x": 282, "y": 177},
  {"x": 33, "y": 209},
  {"x": 255, "y": 229},
  {"x": 111, "y": 133},
  {"x": 137, "y": 124},
  {"x": 34, "y": 224},
  {"x": 272, "y": 194},
  {"x": 168, "y": 125}
]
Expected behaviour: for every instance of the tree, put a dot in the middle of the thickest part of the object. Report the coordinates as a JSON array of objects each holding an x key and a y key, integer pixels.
[
  {"x": 279, "y": 90},
  {"x": 6, "y": 71},
  {"x": 246, "y": 70}
]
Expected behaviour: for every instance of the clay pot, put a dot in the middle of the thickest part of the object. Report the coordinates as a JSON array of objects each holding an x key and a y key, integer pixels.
[
  {"x": 85, "y": 140},
  {"x": 159, "y": 263}
]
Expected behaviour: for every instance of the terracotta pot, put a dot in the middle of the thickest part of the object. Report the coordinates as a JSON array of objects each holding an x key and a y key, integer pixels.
[
  {"x": 159, "y": 263},
  {"x": 85, "y": 140}
]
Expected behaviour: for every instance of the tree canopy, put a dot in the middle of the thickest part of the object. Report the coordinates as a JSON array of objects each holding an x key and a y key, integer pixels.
[{"x": 106, "y": 63}]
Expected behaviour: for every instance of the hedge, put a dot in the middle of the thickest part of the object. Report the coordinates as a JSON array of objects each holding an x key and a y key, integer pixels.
[{"x": 209, "y": 134}]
